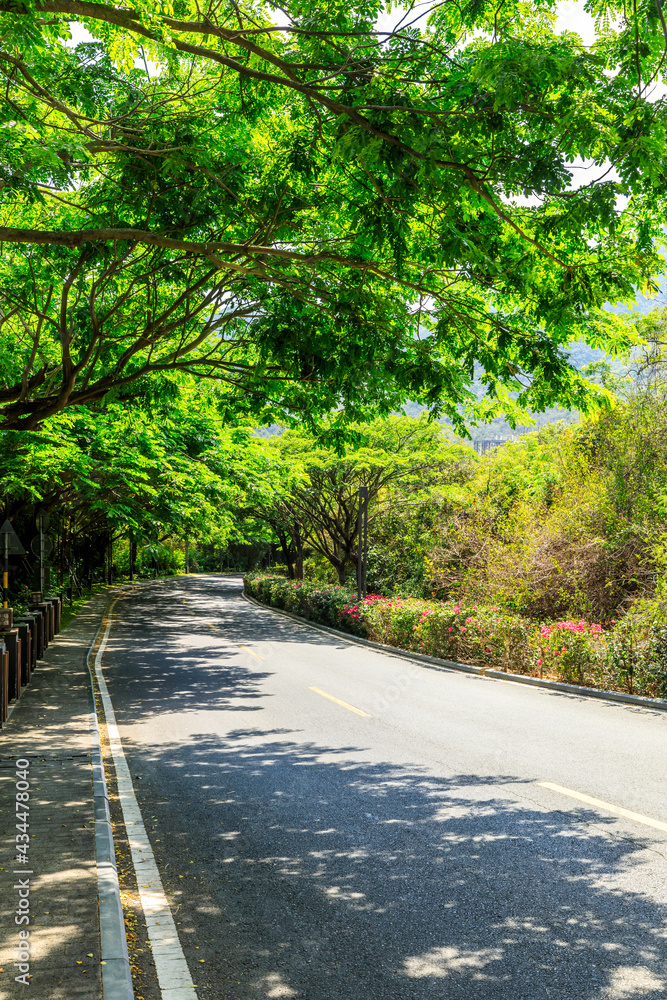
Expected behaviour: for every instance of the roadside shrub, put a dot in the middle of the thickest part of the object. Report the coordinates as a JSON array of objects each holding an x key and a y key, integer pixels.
[
  {"x": 652, "y": 679},
  {"x": 636, "y": 659},
  {"x": 632, "y": 657},
  {"x": 571, "y": 650},
  {"x": 320, "y": 602},
  {"x": 469, "y": 633},
  {"x": 464, "y": 632},
  {"x": 450, "y": 630},
  {"x": 391, "y": 620}
]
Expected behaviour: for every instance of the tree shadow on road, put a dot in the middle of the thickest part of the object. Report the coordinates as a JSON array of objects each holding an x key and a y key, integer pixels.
[{"x": 307, "y": 871}]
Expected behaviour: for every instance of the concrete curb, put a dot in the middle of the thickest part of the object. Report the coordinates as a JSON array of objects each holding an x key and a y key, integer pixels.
[
  {"x": 116, "y": 974},
  {"x": 434, "y": 663}
]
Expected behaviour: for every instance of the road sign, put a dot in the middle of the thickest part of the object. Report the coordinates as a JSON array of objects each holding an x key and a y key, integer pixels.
[
  {"x": 43, "y": 543},
  {"x": 42, "y": 520},
  {"x": 14, "y": 548}
]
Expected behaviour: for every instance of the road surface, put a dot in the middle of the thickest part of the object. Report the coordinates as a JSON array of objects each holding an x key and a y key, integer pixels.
[{"x": 334, "y": 823}]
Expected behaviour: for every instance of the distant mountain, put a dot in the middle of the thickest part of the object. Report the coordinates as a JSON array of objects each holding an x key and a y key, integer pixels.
[{"x": 581, "y": 355}]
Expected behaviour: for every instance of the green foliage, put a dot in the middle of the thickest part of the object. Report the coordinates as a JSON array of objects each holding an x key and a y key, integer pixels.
[
  {"x": 325, "y": 216},
  {"x": 319, "y": 602},
  {"x": 165, "y": 469},
  {"x": 636, "y": 659},
  {"x": 569, "y": 522},
  {"x": 407, "y": 465}
]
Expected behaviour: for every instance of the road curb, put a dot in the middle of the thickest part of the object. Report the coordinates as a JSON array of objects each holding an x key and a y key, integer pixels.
[
  {"x": 434, "y": 663},
  {"x": 116, "y": 974}
]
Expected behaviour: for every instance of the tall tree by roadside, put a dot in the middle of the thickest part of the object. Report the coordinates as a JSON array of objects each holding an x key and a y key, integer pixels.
[
  {"x": 318, "y": 213},
  {"x": 167, "y": 468},
  {"x": 403, "y": 462}
]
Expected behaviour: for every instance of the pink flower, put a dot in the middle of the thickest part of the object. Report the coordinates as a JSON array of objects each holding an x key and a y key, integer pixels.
[{"x": 539, "y": 663}]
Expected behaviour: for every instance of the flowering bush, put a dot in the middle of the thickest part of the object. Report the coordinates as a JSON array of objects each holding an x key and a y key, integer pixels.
[
  {"x": 632, "y": 657},
  {"x": 471, "y": 633},
  {"x": 321, "y": 602},
  {"x": 468, "y": 633},
  {"x": 391, "y": 620},
  {"x": 571, "y": 650}
]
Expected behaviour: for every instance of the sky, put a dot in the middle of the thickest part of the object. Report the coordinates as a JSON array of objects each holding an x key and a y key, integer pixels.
[{"x": 571, "y": 17}]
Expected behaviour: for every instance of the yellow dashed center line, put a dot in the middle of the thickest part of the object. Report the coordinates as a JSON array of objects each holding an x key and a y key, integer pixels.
[
  {"x": 256, "y": 655},
  {"x": 344, "y": 704},
  {"x": 607, "y": 806},
  {"x": 212, "y": 626}
]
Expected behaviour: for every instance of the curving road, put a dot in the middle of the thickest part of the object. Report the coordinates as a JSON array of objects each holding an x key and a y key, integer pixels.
[{"x": 388, "y": 835}]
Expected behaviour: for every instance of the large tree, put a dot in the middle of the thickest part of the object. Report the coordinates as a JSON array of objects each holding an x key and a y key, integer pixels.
[
  {"x": 404, "y": 463},
  {"x": 318, "y": 213},
  {"x": 165, "y": 468}
]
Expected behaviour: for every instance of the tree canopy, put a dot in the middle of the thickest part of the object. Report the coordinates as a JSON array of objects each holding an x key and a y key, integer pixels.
[
  {"x": 165, "y": 469},
  {"x": 317, "y": 213}
]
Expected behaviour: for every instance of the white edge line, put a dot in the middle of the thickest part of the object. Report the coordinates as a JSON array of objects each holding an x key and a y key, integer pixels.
[
  {"x": 606, "y": 806},
  {"x": 171, "y": 966}
]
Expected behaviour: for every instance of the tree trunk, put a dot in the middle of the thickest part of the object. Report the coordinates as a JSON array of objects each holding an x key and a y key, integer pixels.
[
  {"x": 286, "y": 546},
  {"x": 298, "y": 562}
]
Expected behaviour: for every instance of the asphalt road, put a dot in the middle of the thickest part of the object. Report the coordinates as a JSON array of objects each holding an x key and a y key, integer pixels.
[{"x": 317, "y": 852}]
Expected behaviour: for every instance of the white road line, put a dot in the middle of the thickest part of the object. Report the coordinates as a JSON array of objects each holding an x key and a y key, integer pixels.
[
  {"x": 172, "y": 969},
  {"x": 607, "y": 806}
]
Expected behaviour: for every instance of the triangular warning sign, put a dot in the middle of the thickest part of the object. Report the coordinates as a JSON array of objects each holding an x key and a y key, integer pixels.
[{"x": 15, "y": 548}]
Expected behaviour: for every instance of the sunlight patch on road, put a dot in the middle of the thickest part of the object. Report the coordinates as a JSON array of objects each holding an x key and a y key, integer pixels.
[
  {"x": 440, "y": 962},
  {"x": 344, "y": 704},
  {"x": 274, "y": 986},
  {"x": 607, "y": 806},
  {"x": 633, "y": 981}
]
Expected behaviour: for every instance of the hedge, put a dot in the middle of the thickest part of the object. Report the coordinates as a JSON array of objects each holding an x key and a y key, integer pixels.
[{"x": 630, "y": 657}]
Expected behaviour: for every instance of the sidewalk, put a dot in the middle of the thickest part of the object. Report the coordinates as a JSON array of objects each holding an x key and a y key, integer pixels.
[{"x": 50, "y": 727}]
